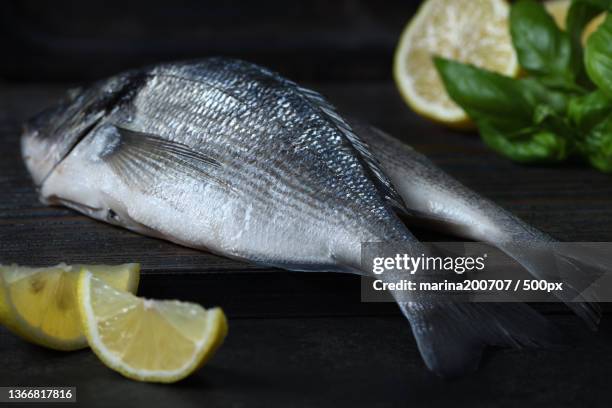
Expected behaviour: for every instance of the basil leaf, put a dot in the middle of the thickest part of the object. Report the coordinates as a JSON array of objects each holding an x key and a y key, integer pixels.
[
  {"x": 580, "y": 14},
  {"x": 485, "y": 95},
  {"x": 542, "y": 48},
  {"x": 507, "y": 102},
  {"x": 597, "y": 146},
  {"x": 601, "y": 4},
  {"x": 537, "y": 146},
  {"x": 520, "y": 119},
  {"x": 586, "y": 111},
  {"x": 598, "y": 56},
  {"x": 539, "y": 94}
]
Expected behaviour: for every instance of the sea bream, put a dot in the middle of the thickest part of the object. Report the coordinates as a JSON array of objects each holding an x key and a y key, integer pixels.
[{"x": 229, "y": 157}]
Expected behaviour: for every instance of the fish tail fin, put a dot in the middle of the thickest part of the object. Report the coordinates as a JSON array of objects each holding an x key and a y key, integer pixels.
[
  {"x": 579, "y": 267},
  {"x": 452, "y": 336}
]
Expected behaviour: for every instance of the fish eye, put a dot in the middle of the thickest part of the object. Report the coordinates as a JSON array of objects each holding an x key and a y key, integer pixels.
[{"x": 112, "y": 215}]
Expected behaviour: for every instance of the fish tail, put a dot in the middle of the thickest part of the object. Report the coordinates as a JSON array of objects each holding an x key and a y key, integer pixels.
[
  {"x": 579, "y": 267},
  {"x": 451, "y": 337}
]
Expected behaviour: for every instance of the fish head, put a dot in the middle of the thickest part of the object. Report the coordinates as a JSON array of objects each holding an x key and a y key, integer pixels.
[
  {"x": 51, "y": 135},
  {"x": 64, "y": 149}
]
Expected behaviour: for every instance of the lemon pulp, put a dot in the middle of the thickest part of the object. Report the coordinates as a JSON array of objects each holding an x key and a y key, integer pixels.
[{"x": 40, "y": 304}]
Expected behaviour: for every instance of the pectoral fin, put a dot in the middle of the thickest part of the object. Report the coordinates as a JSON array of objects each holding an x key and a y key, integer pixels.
[{"x": 141, "y": 159}]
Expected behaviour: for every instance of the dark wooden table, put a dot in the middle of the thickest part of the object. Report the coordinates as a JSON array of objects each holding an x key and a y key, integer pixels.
[{"x": 306, "y": 339}]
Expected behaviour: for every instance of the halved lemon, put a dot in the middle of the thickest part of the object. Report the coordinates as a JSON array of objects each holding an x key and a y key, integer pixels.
[
  {"x": 40, "y": 304},
  {"x": 559, "y": 8},
  {"x": 147, "y": 340},
  {"x": 470, "y": 31}
]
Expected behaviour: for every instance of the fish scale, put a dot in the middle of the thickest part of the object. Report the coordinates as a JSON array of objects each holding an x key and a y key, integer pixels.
[
  {"x": 267, "y": 96},
  {"x": 242, "y": 175},
  {"x": 287, "y": 173}
]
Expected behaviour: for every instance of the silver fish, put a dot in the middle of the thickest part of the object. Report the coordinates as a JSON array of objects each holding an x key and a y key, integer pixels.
[
  {"x": 437, "y": 201},
  {"x": 230, "y": 157}
]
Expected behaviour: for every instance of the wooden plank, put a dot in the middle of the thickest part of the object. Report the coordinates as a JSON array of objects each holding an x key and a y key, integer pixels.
[
  {"x": 332, "y": 362},
  {"x": 571, "y": 203},
  {"x": 367, "y": 357}
]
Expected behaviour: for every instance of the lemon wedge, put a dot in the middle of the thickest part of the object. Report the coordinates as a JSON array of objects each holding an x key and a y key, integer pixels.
[
  {"x": 39, "y": 304},
  {"x": 147, "y": 340},
  {"x": 469, "y": 31}
]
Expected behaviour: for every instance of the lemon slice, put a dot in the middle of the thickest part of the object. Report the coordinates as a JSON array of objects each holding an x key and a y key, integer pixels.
[
  {"x": 147, "y": 340},
  {"x": 469, "y": 31},
  {"x": 39, "y": 304},
  {"x": 559, "y": 8}
]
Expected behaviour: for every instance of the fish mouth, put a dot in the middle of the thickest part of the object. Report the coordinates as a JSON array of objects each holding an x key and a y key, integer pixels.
[
  {"x": 38, "y": 152},
  {"x": 42, "y": 153},
  {"x": 52, "y": 135}
]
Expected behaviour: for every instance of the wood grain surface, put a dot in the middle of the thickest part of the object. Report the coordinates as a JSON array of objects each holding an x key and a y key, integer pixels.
[{"x": 300, "y": 339}]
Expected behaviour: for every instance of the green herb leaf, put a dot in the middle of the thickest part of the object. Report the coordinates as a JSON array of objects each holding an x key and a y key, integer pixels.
[
  {"x": 498, "y": 98},
  {"x": 542, "y": 48},
  {"x": 597, "y": 146},
  {"x": 486, "y": 95},
  {"x": 521, "y": 119},
  {"x": 580, "y": 14},
  {"x": 586, "y": 111},
  {"x": 538, "y": 146},
  {"x": 538, "y": 94},
  {"x": 598, "y": 56},
  {"x": 601, "y": 4}
]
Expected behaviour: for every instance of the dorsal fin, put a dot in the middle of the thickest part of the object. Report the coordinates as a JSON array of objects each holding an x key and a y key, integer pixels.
[{"x": 380, "y": 178}]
